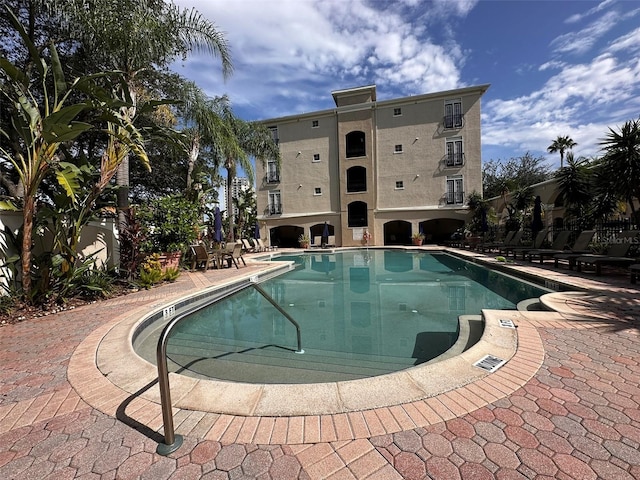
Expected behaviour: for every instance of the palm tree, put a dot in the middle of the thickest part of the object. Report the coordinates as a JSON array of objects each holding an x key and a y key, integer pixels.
[
  {"x": 575, "y": 185},
  {"x": 621, "y": 162},
  {"x": 248, "y": 139},
  {"x": 561, "y": 144}
]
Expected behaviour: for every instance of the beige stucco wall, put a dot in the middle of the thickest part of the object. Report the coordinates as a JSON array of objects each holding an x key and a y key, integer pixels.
[{"x": 421, "y": 165}]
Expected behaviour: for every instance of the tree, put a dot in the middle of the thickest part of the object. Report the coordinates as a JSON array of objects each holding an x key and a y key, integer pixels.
[
  {"x": 44, "y": 119},
  {"x": 247, "y": 139},
  {"x": 144, "y": 35},
  {"x": 561, "y": 144},
  {"x": 621, "y": 162},
  {"x": 499, "y": 178},
  {"x": 575, "y": 185}
]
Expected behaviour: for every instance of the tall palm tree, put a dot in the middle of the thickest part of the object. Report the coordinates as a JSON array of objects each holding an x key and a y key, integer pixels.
[
  {"x": 246, "y": 140},
  {"x": 561, "y": 144},
  {"x": 621, "y": 162}
]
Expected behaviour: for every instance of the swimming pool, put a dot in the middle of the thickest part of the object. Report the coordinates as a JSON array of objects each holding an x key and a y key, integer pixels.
[{"x": 362, "y": 313}]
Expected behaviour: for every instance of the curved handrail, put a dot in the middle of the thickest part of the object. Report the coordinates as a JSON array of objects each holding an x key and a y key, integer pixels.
[{"x": 172, "y": 441}]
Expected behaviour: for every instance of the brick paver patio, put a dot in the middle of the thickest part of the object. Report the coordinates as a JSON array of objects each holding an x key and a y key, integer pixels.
[{"x": 578, "y": 417}]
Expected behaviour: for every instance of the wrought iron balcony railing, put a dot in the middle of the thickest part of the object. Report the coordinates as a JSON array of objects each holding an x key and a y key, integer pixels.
[
  {"x": 273, "y": 177},
  {"x": 454, "y": 160},
  {"x": 275, "y": 209},
  {"x": 453, "y": 121},
  {"x": 454, "y": 198}
]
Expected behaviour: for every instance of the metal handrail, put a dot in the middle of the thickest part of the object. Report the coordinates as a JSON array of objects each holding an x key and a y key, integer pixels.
[{"x": 172, "y": 441}]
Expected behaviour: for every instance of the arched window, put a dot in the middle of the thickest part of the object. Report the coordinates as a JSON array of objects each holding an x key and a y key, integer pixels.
[
  {"x": 356, "y": 179},
  {"x": 355, "y": 144},
  {"x": 357, "y": 214}
]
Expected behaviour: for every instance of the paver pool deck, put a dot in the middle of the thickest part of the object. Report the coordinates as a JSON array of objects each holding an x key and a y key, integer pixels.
[{"x": 565, "y": 406}]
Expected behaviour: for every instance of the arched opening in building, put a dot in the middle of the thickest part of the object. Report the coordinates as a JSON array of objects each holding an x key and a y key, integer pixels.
[
  {"x": 439, "y": 230},
  {"x": 355, "y": 144},
  {"x": 397, "y": 232},
  {"x": 285, "y": 236},
  {"x": 317, "y": 232},
  {"x": 357, "y": 214},
  {"x": 356, "y": 179}
]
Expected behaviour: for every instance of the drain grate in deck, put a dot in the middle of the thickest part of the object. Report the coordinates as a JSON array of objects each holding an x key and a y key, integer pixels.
[{"x": 489, "y": 363}]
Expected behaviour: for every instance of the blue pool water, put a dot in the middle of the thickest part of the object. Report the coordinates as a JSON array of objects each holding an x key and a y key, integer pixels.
[{"x": 362, "y": 313}]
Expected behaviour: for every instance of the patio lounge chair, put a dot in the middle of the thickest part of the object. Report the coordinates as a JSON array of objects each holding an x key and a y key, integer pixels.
[
  {"x": 331, "y": 241},
  {"x": 558, "y": 246},
  {"x": 616, "y": 254},
  {"x": 234, "y": 255},
  {"x": 482, "y": 246},
  {"x": 535, "y": 245},
  {"x": 247, "y": 246},
  {"x": 263, "y": 246},
  {"x": 317, "y": 241},
  {"x": 515, "y": 242},
  {"x": 580, "y": 247}
]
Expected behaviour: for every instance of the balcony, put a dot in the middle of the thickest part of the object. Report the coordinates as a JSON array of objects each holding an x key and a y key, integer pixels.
[
  {"x": 272, "y": 177},
  {"x": 454, "y": 198},
  {"x": 454, "y": 160},
  {"x": 275, "y": 209},
  {"x": 453, "y": 121}
]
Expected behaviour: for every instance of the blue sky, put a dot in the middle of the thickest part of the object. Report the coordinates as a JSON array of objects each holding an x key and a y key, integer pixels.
[{"x": 555, "y": 67}]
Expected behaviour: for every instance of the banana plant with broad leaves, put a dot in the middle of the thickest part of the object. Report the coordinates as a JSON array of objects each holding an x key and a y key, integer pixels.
[{"x": 45, "y": 119}]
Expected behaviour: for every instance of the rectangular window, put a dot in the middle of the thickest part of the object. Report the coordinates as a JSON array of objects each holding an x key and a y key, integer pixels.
[
  {"x": 398, "y": 149},
  {"x": 397, "y": 112},
  {"x": 273, "y": 173},
  {"x": 317, "y": 191},
  {"x": 455, "y": 192},
  {"x": 453, "y": 113},
  {"x": 455, "y": 155},
  {"x": 274, "y": 134},
  {"x": 399, "y": 185},
  {"x": 315, "y": 124},
  {"x": 275, "y": 205},
  {"x": 316, "y": 157}
]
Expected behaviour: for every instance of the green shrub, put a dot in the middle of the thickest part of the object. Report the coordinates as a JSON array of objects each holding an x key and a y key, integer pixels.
[
  {"x": 171, "y": 274},
  {"x": 150, "y": 271}
]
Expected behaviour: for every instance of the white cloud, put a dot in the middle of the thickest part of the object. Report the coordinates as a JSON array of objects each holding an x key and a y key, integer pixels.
[
  {"x": 580, "y": 100},
  {"x": 583, "y": 40},
  {"x": 579, "y": 16},
  {"x": 334, "y": 42}
]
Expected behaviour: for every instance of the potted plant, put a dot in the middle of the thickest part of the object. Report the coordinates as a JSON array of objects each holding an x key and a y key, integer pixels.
[
  {"x": 304, "y": 240},
  {"x": 171, "y": 224},
  {"x": 417, "y": 238}
]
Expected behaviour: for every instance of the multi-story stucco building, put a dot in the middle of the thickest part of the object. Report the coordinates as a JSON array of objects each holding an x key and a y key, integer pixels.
[{"x": 390, "y": 168}]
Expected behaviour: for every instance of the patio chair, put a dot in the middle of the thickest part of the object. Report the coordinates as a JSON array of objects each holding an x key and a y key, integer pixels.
[
  {"x": 331, "y": 241},
  {"x": 558, "y": 246},
  {"x": 247, "y": 246},
  {"x": 580, "y": 247},
  {"x": 515, "y": 242},
  {"x": 200, "y": 258},
  {"x": 616, "y": 254},
  {"x": 317, "y": 241},
  {"x": 536, "y": 244},
  {"x": 263, "y": 246},
  {"x": 256, "y": 245},
  {"x": 482, "y": 246},
  {"x": 234, "y": 255}
]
